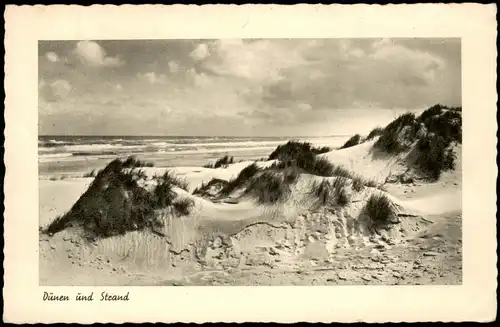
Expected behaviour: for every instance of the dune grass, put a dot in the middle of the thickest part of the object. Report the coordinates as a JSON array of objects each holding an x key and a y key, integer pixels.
[
  {"x": 294, "y": 150},
  {"x": 133, "y": 162},
  {"x": 243, "y": 177},
  {"x": 380, "y": 209},
  {"x": 358, "y": 183},
  {"x": 432, "y": 132},
  {"x": 399, "y": 134},
  {"x": 92, "y": 173},
  {"x": 171, "y": 178},
  {"x": 354, "y": 140},
  {"x": 434, "y": 156},
  {"x": 221, "y": 162},
  {"x": 330, "y": 193},
  {"x": 143, "y": 248},
  {"x": 204, "y": 187},
  {"x": 377, "y": 131},
  {"x": 183, "y": 206},
  {"x": 268, "y": 187},
  {"x": 114, "y": 203}
]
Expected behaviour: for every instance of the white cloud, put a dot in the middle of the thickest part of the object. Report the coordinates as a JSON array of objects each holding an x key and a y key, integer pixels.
[
  {"x": 52, "y": 57},
  {"x": 200, "y": 52},
  {"x": 173, "y": 67},
  {"x": 54, "y": 91},
  {"x": 257, "y": 61},
  {"x": 152, "y": 78},
  {"x": 118, "y": 88},
  {"x": 92, "y": 54},
  {"x": 61, "y": 88}
]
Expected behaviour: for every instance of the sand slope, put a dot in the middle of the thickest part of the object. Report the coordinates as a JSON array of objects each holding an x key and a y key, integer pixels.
[{"x": 242, "y": 243}]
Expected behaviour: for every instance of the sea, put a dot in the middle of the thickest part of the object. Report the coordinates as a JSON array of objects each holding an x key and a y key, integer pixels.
[{"x": 75, "y": 155}]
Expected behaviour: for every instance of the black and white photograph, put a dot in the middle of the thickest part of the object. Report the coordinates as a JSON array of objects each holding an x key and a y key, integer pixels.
[
  {"x": 249, "y": 162},
  {"x": 178, "y": 163}
]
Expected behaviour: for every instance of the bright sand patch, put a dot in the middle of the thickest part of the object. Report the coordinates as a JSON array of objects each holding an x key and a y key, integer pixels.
[{"x": 57, "y": 197}]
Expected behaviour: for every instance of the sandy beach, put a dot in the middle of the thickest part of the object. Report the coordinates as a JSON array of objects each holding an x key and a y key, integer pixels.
[{"x": 233, "y": 239}]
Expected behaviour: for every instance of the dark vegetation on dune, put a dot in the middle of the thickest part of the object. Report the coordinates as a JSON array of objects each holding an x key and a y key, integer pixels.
[
  {"x": 114, "y": 203},
  {"x": 268, "y": 188},
  {"x": 433, "y": 132},
  {"x": 381, "y": 210},
  {"x": 331, "y": 193},
  {"x": 294, "y": 150},
  {"x": 133, "y": 162},
  {"x": 221, "y": 162},
  {"x": 215, "y": 184},
  {"x": 92, "y": 173},
  {"x": 377, "y": 131},
  {"x": 183, "y": 206},
  {"x": 273, "y": 184},
  {"x": 354, "y": 140},
  {"x": 247, "y": 173},
  {"x": 170, "y": 178}
]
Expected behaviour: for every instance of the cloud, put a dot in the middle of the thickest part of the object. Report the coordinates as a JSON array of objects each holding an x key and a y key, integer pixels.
[
  {"x": 52, "y": 57},
  {"x": 55, "y": 91},
  {"x": 273, "y": 86},
  {"x": 257, "y": 61},
  {"x": 200, "y": 52},
  {"x": 152, "y": 78},
  {"x": 92, "y": 54},
  {"x": 173, "y": 67},
  {"x": 346, "y": 74}
]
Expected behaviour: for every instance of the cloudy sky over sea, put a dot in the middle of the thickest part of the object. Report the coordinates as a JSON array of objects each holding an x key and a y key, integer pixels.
[{"x": 256, "y": 87}]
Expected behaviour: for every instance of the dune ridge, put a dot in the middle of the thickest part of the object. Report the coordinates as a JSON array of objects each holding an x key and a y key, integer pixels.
[{"x": 304, "y": 208}]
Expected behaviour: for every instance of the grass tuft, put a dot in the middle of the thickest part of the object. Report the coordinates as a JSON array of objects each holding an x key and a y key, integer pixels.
[
  {"x": 183, "y": 206},
  {"x": 92, "y": 173},
  {"x": 170, "y": 178},
  {"x": 354, "y": 140},
  {"x": 133, "y": 162},
  {"x": 358, "y": 183},
  {"x": 377, "y": 131},
  {"x": 268, "y": 188},
  {"x": 380, "y": 209},
  {"x": 298, "y": 151},
  {"x": 243, "y": 177},
  {"x": 114, "y": 203},
  {"x": 221, "y": 162}
]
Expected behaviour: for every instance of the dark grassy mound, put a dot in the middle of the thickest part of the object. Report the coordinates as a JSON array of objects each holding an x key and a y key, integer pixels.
[
  {"x": 221, "y": 162},
  {"x": 170, "y": 178},
  {"x": 432, "y": 132},
  {"x": 214, "y": 186},
  {"x": 243, "y": 177},
  {"x": 306, "y": 163},
  {"x": 183, "y": 206},
  {"x": 299, "y": 151},
  {"x": 375, "y": 132},
  {"x": 114, "y": 203},
  {"x": 330, "y": 193},
  {"x": 381, "y": 210},
  {"x": 268, "y": 187},
  {"x": 354, "y": 140},
  {"x": 133, "y": 162},
  {"x": 399, "y": 135},
  {"x": 434, "y": 156}
]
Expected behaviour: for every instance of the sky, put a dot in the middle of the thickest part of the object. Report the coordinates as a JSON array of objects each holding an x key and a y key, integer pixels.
[{"x": 241, "y": 87}]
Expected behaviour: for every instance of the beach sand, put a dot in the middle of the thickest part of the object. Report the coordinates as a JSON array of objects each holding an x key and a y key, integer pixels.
[{"x": 271, "y": 245}]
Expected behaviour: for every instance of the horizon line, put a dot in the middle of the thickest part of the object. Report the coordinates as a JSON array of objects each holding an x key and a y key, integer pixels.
[{"x": 139, "y": 135}]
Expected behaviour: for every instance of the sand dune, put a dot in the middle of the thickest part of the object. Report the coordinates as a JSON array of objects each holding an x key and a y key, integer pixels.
[{"x": 239, "y": 237}]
